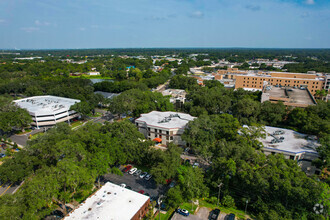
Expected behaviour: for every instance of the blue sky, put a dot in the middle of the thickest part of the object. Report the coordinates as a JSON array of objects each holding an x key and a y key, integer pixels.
[{"x": 42, "y": 24}]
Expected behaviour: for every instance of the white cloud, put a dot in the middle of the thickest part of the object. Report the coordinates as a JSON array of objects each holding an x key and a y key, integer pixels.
[
  {"x": 2, "y": 21},
  {"x": 41, "y": 23},
  {"x": 30, "y": 29},
  {"x": 82, "y": 29},
  {"x": 197, "y": 14},
  {"x": 310, "y": 2}
]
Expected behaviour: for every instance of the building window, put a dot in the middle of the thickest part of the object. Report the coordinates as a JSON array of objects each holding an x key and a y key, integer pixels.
[
  {"x": 171, "y": 138},
  {"x": 167, "y": 132},
  {"x": 291, "y": 157},
  {"x": 155, "y": 130}
]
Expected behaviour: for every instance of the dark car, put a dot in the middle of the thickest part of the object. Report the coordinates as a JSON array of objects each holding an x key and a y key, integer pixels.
[
  {"x": 2, "y": 155},
  {"x": 127, "y": 168},
  {"x": 214, "y": 214},
  {"x": 231, "y": 216}
]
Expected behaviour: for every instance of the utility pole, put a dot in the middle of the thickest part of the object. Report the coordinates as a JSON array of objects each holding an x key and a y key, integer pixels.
[
  {"x": 219, "y": 192},
  {"x": 159, "y": 202},
  {"x": 247, "y": 201}
]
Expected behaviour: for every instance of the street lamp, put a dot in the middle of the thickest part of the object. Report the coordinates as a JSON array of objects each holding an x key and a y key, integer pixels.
[
  {"x": 219, "y": 193},
  {"x": 159, "y": 202},
  {"x": 247, "y": 201}
]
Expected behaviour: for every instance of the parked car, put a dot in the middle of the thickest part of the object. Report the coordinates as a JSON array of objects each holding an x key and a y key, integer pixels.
[
  {"x": 148, "y": 177},
  {"x": 196, "y": 165},
  {"x": 215, "y": 213},
  {"x": 123, "y": 185},
  {"x": 231, "y": 216},
  {"x": 127, "y": 168},
  {"x": 138, "y": 172},
  {"x": 143, "y": 175},
  {"x": 183, "y": 212},
  {"x": 147, "y": 194},
  {"x": 172, "y": 184},
  {"x": 128, "y": 187},
  {"x": 132, "y": 171},
  {"x": 141, "y": 191},
  {"x": 2, "y": 155}
]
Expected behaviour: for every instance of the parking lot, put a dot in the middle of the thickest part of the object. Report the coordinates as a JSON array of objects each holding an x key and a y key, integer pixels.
[
  {"x": 136, "y": 183},
  {"x": 177, "y": 216}
]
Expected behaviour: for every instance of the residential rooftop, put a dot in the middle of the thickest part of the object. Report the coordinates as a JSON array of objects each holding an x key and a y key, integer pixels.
[
  {"x": 167, "y": 120},
  {"x": 293, "y": 142},
  {"x": 46, "y": 105},
  {"x": 109, "y": 202}
]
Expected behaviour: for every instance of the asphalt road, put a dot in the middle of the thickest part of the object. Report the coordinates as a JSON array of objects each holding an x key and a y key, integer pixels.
[{"x": 8, "y": 188}]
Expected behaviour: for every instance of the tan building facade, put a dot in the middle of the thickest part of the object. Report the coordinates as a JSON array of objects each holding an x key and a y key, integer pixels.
[{"x": 310, "y": 81}]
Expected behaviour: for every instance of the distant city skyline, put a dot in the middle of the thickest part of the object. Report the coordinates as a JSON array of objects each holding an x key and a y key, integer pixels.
[{"x": 46, "y": 24}]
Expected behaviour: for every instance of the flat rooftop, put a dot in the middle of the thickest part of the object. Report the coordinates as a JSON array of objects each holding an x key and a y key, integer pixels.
[
  {"x": 296, "y": 96},
  {"x": 168, "y": 120},
  {"x": 109, "y": 202},
  {"x": 46, "y": 105},
  {"x": 294, "y": 142}
]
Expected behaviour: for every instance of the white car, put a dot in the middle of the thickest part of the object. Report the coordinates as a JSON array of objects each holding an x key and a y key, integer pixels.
[
  {"x": 123, "y": 185},
  {"x": 133, "y": 170},
  {"x": 143, "y": 175}
]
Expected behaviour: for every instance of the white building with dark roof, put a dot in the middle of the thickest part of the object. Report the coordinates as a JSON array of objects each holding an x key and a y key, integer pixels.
[
  {"x": 48, "y": 110},
  {"x": 293, "y": 145},
  {"x": 112, "y": 202},
  {"x": 164, "y": 127}
]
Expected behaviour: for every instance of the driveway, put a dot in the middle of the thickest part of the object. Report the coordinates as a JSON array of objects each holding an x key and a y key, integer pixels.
[
  {"x": 177, "y": 216},
  {"x": 203, "y": 213}
]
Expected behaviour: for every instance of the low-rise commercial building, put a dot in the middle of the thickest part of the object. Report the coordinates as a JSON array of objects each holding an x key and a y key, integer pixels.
[
  {"x": 167, "y": 127},
  {"x": 48, "y": 110},
  {"x": 293, "y": 145},
  {"x": 112, "y": 202},
  {"x": 177, "y": 95}
]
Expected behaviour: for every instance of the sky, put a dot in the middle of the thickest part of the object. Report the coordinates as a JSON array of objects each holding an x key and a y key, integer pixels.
[{"x": 71, "y": 24}]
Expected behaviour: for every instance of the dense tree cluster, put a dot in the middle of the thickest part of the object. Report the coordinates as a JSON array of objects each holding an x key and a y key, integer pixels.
[
  {"x": 135, "y": 102},
  {"x": 11, "y": 116},
  {"x": 275, "y": 187},
  {"x": 61, "y": 165}
]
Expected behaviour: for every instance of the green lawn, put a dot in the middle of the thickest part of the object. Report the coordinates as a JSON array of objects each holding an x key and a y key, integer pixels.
[
  {"x": 76, "y": 124},
  {"x": 32, "y": 137},
  {"x": 238, "y": 213},
  {"x": 188, "y": 206},
  {"x": 97, "y": 114},
  {"x": 165, "y": 216}
]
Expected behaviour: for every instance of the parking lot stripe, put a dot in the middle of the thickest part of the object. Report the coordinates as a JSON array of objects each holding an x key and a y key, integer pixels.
[{"x": 6, "y": 190}]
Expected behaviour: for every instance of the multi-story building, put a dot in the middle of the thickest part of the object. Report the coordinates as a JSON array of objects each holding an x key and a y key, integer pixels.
[
  {"x": 48, "y": 110},
  {"x": 292, "y": 145},
  {"x": 311, "y": 81},
  {"x": 112, "y": 202},
  {"x": 255, "y": 79},
  {"x": 164, "y": 127}
]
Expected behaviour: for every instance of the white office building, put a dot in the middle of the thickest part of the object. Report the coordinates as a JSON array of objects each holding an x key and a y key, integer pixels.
[
  {"x": 164, "y": 127},
  {"x": 48, "y": 110},
  {"x": 112, "y": 202},
  {"x": 293, "y": 145}
]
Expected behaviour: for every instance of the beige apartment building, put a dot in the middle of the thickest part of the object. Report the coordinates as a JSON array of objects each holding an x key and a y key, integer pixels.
[{"x": 256, "y": 79}]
